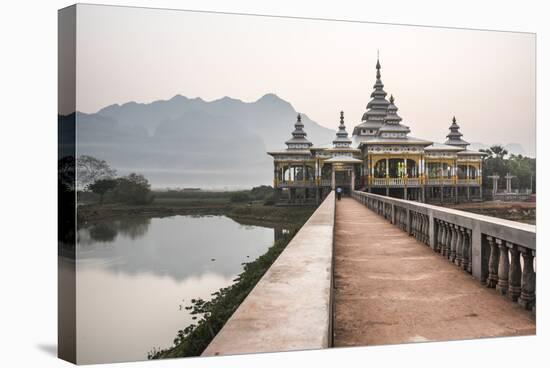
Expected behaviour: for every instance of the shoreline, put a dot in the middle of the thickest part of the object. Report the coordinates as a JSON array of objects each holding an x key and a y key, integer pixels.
[{"x": 253, "y": 214}]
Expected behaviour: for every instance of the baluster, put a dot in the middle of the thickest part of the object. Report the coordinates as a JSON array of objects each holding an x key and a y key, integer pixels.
[
  {"x": 426, "y": 230},
  {"x": 440, "y": 237},
  {"x": 514, "y": 276},
  {"x": 459, "y": 245},
  {"x": 450, "y": 238},
  {"x": 411, "y": 214},
  {"x": 420, "y": 228},
  {"x": 437, "y": 234},
  {"x": 470, "y": 256},
  {"x": 417, "y": 226},
  {"x": 503, "y": 267},
  {"x": 452, "y": 254},
  {"x": 527, "y": 297},
  {"x": 465, "y": 250},
  {"x": 492, "y": 279},
  {"x": 444, "y": 239}
]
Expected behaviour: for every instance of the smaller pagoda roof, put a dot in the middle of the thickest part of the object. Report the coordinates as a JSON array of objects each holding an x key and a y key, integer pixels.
[
  {"x": 298, "y": 135},
  {"x": 371, "y": 124},
  {"x": 394, "y": 128},
  {"x": 341, "y": 133},
  {"x": 455, "y": 137},
  {"x": 456, "y": 142}
]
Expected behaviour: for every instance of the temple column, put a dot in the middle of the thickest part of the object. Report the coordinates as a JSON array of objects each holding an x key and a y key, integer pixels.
[
  {"x": 333, "y": 178},
  {"x": 405, "y": 177},
  {"x": 352, "y": 186},
  {"x": 509, "y": 183},
  {"x": 468, "y": 182},
  {"x": 455, "y": 180},
  {"x": 387, "y": 177},
  {"x": 495, "y": 183},
  {"x": 440, "y": 182}
]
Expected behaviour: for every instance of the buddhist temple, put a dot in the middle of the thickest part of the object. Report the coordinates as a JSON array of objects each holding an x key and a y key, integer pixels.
[{"x": 380, "y": 157}]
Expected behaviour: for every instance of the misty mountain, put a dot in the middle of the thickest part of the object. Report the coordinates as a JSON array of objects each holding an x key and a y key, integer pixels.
[{"x": 191, "y": 142}]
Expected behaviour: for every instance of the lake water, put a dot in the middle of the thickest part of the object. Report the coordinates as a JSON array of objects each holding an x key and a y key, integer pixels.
[{"x": 134, "y": 278}]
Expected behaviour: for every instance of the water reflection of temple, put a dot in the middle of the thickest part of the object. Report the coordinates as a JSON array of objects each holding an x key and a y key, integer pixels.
[{"x": 380, "y": 157}]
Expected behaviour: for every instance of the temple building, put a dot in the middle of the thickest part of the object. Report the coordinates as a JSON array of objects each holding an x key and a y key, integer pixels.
[{"x": 380, "y": 157}]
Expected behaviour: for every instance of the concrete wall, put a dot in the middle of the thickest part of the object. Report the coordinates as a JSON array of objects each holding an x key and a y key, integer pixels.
[{"x": 291, "y": 306}]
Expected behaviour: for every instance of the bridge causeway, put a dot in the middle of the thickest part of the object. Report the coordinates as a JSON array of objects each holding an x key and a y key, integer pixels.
[
  {"x": 390, "y": 288},
  {"x": 373, "y": 270}
]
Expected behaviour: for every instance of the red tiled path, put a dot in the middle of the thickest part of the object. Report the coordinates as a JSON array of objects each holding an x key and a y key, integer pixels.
[{"x": 390, "y": 289}]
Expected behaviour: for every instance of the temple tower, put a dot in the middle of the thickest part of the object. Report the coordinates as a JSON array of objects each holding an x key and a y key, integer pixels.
[
  {"x": 392, "y": 127},
  {"x": 342, "y": 139},
  {"x": 298, "y": 140},
  {"x": 454, "y": 138},
  {"x": 377, "y": 108}
]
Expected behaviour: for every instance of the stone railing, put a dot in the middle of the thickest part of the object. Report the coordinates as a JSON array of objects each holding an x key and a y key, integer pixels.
[
  {"x": 500, "y": 253},
  {"x": 440, "y": 181},
  {"x": 396, "y": 182},
  {"x": 290, "y": 308}
]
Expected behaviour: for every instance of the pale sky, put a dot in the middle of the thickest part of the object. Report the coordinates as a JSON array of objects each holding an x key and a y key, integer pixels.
[{"x": 485, "y": 78}]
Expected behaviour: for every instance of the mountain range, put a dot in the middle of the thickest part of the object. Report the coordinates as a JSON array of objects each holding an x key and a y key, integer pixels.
[{"x": 183, "y": 142}]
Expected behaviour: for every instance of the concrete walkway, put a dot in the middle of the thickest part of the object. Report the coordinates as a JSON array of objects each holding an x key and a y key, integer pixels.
[{"x": 391, "y": 289}]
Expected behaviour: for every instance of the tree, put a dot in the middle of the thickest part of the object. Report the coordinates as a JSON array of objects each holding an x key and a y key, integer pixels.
[
  {"x": 239, "y": 197},
  {"x": 523, "y": 168},
  {"x": 261, "y": 192},
  {"x": 90, "y": 169},
  {"x": 498, "y": 151},
  {"x": 102, "y": 186},
  {"x": 133, "y": 189}
]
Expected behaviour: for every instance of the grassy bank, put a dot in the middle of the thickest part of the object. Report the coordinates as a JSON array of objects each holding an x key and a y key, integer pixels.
[
  {"x": 516, "y": 211},
  {"x": 211, "y": 315},
  {"x": 254, "y": 212}
]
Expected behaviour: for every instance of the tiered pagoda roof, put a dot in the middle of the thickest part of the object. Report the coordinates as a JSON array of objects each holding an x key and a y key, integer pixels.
[
  {"x": 342, "y": 139},
  {"x": 377, "y": 107},
  {"x": 392, "y": 127},
  {"x": 298, "y": 140},
  {"x": 454, "y": 138}
]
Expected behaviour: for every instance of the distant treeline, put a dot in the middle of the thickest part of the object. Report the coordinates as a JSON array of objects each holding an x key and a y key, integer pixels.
[
  {"x": 498, "y": 162},
  {"x": 260, "y": 193},
  {"x": 97, "y": 181}
]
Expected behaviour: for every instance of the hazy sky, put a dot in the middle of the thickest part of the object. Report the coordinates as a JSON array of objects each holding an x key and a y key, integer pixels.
[{"x": 486, "y": 79}]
